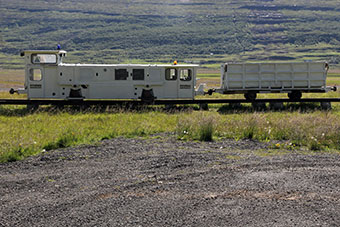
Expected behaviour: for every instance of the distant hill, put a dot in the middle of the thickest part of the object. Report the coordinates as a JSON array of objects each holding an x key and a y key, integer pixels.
[{"x": 198, "y": 30}]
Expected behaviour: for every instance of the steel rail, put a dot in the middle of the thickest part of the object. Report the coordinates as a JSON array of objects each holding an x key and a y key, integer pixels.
[{"x": 155, "y": 102}]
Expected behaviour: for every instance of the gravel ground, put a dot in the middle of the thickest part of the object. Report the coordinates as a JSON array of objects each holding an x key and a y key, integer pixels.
[{"x": 165, "y": 182}]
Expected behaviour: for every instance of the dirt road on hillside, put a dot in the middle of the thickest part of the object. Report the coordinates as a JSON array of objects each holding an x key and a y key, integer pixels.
[{"x": 165, "y": 182}]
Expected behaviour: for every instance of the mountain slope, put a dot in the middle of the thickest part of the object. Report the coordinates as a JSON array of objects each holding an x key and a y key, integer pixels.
[{"x": 116, "y": 30}]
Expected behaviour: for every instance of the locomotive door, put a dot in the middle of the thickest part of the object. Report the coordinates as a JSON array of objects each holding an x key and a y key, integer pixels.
[
  {"x": 170, "y": 89},
  {"x": 35, "y": 81},
  {"x": 185, "y": 83},
  {"x": 155, "y": 81}
]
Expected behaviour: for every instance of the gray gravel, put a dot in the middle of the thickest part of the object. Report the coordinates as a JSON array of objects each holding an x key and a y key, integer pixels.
[{"x": 165, "y": 182}]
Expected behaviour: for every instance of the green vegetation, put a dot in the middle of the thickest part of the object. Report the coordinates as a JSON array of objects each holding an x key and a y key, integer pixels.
[
  {"x": 316, "y": 130},
  {"x": 208, "y": 32},
  {"x": 198, "y": 127},
  {"x": 23, "y": 134}
]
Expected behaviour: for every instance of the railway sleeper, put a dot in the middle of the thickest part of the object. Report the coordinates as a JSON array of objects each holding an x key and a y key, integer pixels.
[
  {"x": 259, "y": 105},
  {"x": 32, "y": 107},
  {"x": 204, "y": 106},
  {"x": 276, "y": 105},
  {"x": 235, "y": 105},
  {"x": 326, "y": 105}
]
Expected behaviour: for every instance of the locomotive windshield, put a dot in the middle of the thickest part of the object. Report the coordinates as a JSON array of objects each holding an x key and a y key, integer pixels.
[
  {"x": 171, "y": 74},
  {"x": 44, "y": 58},
  {"x": 185, "y": 75}
]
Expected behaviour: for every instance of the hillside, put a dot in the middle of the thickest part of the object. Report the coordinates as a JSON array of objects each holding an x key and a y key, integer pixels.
[{"x": 208, "y": 31}]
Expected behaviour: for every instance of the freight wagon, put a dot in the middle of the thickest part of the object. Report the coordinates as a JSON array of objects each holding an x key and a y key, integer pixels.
[{"x": 292, "y": 78}]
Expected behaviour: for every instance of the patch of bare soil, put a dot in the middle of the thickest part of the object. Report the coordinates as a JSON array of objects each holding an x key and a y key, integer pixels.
[{"x": 166, "y": 182}]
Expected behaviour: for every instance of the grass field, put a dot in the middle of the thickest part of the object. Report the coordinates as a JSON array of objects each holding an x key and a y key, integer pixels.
[
  {"x": 23, "y": 134},
  {"x": 11, "y": 79}
]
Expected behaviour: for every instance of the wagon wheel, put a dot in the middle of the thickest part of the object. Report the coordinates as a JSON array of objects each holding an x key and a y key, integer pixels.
[
  {"x": 295, "y": 95},
  {"x": 250, "y": 96}
]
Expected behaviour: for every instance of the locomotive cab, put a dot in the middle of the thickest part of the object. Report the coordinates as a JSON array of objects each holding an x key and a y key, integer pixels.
[{"x": 38, "y": 65}]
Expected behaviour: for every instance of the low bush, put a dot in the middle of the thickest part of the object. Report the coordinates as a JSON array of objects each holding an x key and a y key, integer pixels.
[
  {"x": 206, "y": 130},
  {"x": 197, "y": 126}
]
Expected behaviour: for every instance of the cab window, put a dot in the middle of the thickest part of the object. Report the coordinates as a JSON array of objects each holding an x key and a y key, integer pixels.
[
  {"x": 185, "y": 75},
  {"x": 35, "y": 74},
  {"x": 121, "y": 74},
  {"x": 138, "y": 74},
  {"x": 171, "y": 74},
  {"x": 44, "y": 58}
]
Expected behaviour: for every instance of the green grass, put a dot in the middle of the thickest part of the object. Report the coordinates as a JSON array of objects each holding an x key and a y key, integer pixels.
[
  {"x": 196, "y": 126},
  {"x": 24, "y": 134}
]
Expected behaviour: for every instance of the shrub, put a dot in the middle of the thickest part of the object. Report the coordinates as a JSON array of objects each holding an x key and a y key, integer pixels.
[
  {"x": 206, "y": 130},
  {"x": 197, "y": 126},
  {"x": 249, "y": 131}
]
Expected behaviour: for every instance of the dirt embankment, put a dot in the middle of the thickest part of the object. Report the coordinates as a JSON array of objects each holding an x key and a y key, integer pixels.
[{"x": 165, "y": 182}]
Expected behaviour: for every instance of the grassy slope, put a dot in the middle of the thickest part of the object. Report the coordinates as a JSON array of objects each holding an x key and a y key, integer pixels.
[{"x": 209, "y": 31}]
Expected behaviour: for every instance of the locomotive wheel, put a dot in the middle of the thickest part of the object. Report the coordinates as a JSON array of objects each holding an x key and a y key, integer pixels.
[
  {"x": 250, "y": 96},
  {"x": 147, "y": 96},
  {"x": 295, "y": 95}
]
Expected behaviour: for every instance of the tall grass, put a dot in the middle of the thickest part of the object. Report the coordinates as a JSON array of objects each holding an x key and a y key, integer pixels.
[
  {"x": 197, "y": 125},
  {"x": 206, "y": 131},
  {"x": 315, "y": 130}
]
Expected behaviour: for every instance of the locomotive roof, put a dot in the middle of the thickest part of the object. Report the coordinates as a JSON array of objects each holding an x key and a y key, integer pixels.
[
  {"x": 43, "y": 52},
  {"x": 25, "y": 52},
  {"x": 134, "y": 65}
]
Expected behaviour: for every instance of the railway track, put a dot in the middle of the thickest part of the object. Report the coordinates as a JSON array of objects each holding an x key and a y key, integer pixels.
[{"x": 159, "y": 102}]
